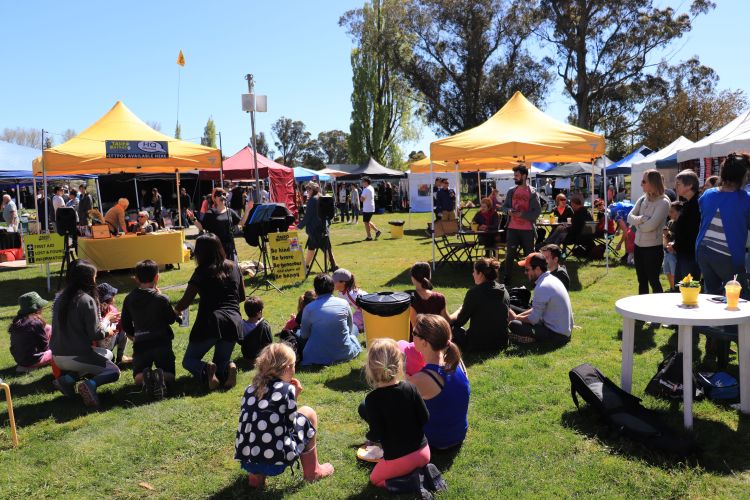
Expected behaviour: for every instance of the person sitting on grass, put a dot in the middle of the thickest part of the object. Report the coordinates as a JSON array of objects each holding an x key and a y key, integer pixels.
[
  {"x": 486, "y": 306},
  {"x": 328, "y": 331},
  {"x": 107, "y": 304},
  {"x": 273, "y": 431},
  {"x": 395, "y": 412},
  {"x": 256, "y": 332},
  {"x": 553, "y": 254},
  {"x": 442, "y": 382},
  {"x": 425, "y": 300},
  {"x": 146, "y": 318},
  {"x": 76, "y": 323},
  {"x": 295, "y": 320},
  {"x": 29, "y": 334},
  {"x": 346, "y": 287},
  {"x": 550, "y": 318}
]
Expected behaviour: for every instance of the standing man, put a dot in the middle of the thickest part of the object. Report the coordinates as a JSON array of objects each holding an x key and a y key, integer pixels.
[
  {"x": 368, "y": 207},
  {"x": 57, "y": 200},
  {"x": 550, "y": 318},
  {"x": 446, "y": 201},
  {"x": 10, "y": 213},
  {"x": 85, "y": 203},
  {"x": 343, "y": 203},
  {"x": 115, "y": 217},
  {"x": 186, "y": 203},
  {"x": 522, "y": 204},
  {"x": 354, "y": 197}
]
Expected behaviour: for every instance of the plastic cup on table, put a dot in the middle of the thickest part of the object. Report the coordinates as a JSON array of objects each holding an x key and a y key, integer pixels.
[
  {"x": 733, "y": 289},
  {"x": 570, "y": 220},
  {"x": 474, "y": 227}
]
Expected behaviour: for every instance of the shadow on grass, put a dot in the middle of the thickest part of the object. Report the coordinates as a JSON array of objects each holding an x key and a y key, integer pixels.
[
  {"x": 418, "y": 233},
  {"x": 240, "y": 489},
  {"x": 354, "y": 381},
  {"x": 720, "y": 449},
  {"x": 644, "y": 337},
  {"x": 64, "y": 409}
]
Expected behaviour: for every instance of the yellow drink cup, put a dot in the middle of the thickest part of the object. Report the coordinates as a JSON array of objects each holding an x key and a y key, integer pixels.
[
  {"x": 552, "y": 218},
  {"x": 733, "y": 294},
  {"x": 474, "y": 227}
]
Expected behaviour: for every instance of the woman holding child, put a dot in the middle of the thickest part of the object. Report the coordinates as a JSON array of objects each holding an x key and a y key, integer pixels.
[
  {"x": 76, "y": 323},
  {"x": 218, "y": 324}
]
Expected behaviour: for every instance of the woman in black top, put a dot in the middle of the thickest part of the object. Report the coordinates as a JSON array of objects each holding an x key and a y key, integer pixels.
[
  {"x": 218, "y": 324},
  {"x": 315, "y": 227},
  {"x": 396, "y": 414},
  {"x": 486, "y": 305},
  {"x": 221, "y": 221},
  {"x": 158, "y": 206},
  {"x": 686, "y": 227}
]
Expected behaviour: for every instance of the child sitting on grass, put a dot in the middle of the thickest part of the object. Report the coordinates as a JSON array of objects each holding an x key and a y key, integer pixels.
[
  {"x": 29, "y": 334},
  {"x": 146, "y": 318},
  {"x": 256, "y": 332},
  {"x": 295, "y": 320},
  {"x": 107, "y": 305},
  {"x": 396, "y": 414},
  {"x": 273, "y": 432}
]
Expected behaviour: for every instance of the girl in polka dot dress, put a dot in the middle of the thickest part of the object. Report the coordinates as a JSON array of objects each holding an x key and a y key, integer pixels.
[{"x": 273, "y": 432}]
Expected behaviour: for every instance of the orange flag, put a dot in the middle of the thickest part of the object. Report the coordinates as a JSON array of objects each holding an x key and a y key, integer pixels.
[{"x": 181, "y": 59}]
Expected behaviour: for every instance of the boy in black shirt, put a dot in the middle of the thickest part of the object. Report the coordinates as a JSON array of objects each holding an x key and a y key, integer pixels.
[
  {"x": 146, "y": 319},
  {"x": 256, "y": 332}
]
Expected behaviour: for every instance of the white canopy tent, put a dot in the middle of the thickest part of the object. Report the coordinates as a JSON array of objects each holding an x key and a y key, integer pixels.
[
  {"x": 732, "y": 137},
  {"x": 638, "y": 167}
]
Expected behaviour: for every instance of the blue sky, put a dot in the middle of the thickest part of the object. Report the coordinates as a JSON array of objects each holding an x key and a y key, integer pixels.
[{"x": 64, "y": 64}]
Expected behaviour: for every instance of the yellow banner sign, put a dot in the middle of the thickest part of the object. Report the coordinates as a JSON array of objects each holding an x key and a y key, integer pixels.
[
  {"x": 286, "y": 257},
  {"x": 44, "y": 248}
]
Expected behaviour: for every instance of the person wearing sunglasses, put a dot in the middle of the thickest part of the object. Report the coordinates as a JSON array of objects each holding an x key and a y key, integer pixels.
[
  {"x": 550, "y": 318},
  {"x": 144, "y": 225}
]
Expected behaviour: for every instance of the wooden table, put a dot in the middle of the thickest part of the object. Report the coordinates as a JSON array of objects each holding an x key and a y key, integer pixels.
[{"x": 667, "y": 308}]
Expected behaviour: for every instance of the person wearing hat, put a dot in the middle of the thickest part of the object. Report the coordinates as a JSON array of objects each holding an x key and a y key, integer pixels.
[
  {"x": 29, "y": 334},
  {"x": 346, "y": 287},
  {"x": 550, "y": 318},
  {"x": 107, "y": 305}
]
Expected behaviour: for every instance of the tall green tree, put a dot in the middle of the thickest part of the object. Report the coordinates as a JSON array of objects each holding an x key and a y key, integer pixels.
[
  {"x": 604, "y": 50},
  {"x": 261, "y": 144},
  {"x": 689, "y": 103},
  {"x": 470, "y": 57},
  {"x": 382, "y": 100},
  {"x": 292, "y": 140},
  {"x": 334, "y": 146},
  {"x": 178, "y": 131},
  {"x": 209, "y": 134}
]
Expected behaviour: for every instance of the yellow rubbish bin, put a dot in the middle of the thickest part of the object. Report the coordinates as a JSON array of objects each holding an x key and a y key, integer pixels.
[
  {"x": 386, "y": 315},
  {"x": 397, "y": 229}
]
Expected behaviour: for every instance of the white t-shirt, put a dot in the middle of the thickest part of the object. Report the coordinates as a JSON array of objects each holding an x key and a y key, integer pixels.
[
  {"x": 57, "y": 202},
  {"x": 368, "y": 199}
]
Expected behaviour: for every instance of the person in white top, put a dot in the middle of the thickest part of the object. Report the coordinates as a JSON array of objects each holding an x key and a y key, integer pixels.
[
  {"x": 368, "y": 208},
  {"x": 57, "y": 200}
]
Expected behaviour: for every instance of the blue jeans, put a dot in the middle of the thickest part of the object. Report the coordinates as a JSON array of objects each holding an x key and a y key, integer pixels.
[
  {"x": 717, "y": 269},
  {"x": 193, "y": 360}
]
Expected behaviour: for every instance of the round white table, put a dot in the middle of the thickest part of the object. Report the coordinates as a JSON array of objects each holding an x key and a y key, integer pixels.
[{"x": 667, "y": 308}]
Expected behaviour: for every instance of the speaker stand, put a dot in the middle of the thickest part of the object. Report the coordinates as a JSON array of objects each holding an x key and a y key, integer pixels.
[
  {"x": 326, "y": 247},
  {"x": 68, "y": 257},
  {"x": 265, "y": 260}
]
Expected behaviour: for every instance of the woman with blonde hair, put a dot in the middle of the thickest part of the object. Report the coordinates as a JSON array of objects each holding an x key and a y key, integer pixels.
[
  {"x": 273, "y": 432},
  {"x": 648, "y": 217},
  {"x": 395, "y": 412}
]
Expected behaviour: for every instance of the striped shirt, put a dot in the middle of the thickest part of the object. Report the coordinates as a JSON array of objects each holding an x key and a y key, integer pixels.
[{"x": 715, "y": 239}]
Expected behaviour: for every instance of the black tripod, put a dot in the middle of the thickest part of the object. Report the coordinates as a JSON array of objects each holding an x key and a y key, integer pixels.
[
  {"x": 327, "y": 251},
  {"x": 265, "y": 261},
  {"x": 68, "y": 256}
]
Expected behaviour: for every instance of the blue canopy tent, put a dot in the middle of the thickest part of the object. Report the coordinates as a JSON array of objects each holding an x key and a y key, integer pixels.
[
  {"x": 668, "y": 162},
  {"x": 622, "y": 167},
  {"x": 302, "y": 174}
]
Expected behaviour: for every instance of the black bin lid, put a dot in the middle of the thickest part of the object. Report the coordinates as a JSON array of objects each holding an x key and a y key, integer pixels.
[{"x": 385, "y": 303}]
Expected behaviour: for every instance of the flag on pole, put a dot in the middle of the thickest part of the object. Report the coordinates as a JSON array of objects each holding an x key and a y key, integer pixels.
[{"x": 181, "y": 59}]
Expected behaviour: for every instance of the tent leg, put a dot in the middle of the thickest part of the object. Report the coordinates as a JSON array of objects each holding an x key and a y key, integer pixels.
[
  {"x": 179, "y": 207},
  {"x": 137, "y": 198},
  {"x": 99, "y": 196},
  {"x": 432, "y": 211}
]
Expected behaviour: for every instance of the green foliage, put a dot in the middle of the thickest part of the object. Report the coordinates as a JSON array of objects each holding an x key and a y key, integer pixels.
[
  {"x": 209, "y": 134},
  {"x": 178, "y": 131},
  {"x": 469, "y": 58},
  {"x": 334, "y": 146},
  {"x": 382, "y": 100},
  {"x": 292, "y": 140},
  {"x": 525, "y": 440},
  {"x": 261, "y": 143}
]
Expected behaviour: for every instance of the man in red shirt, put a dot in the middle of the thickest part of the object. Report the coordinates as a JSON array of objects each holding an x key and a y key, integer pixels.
[{"x": 522, "y": 204}]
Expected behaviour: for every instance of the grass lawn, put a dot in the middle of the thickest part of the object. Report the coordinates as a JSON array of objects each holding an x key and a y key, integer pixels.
[{"x": 525, "y": 436}]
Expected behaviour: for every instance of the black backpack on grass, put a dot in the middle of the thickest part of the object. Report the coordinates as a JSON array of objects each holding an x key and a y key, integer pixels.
[
  {"x": 624, "y": 413},
  {"x": 667, "y": 383}
]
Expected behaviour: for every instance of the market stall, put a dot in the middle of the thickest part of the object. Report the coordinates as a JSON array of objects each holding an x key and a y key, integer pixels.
[
  {"x": 120, "y": 142},
  {"x": 651, "y": 161}
]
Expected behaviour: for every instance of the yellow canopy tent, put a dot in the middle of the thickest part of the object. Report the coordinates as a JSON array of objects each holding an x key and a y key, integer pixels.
[
  {"x": 520, "y": 131},
  {"x": 476, "y": 165},
  {"x": 87, "y": 152}
]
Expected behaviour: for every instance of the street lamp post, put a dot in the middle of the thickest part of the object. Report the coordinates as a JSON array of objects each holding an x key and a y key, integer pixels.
[
  {"x": 252, "y": 103},
  {"x": 697, "y": 122}
]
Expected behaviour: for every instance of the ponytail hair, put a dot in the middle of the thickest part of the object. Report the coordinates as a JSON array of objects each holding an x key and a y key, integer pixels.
[
  {"x": 436, "y": 331},
  {"x": 487, "y": 267},
  {"x": 385, "y": 362},
  {"x": 270, "y": 364},
  {"x": 422, "y": 273}
]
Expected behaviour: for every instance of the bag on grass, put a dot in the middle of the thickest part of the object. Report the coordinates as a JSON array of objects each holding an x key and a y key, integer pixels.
[
  {"x": 624, "y": 413},
  {"x": 719, "y": 386},
  {"x": 520, "y": 296},
  {"x": 667, "y": 383}
]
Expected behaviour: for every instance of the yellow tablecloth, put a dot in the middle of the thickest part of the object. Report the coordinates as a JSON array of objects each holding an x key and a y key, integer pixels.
[{"x": 125, "y": 252}]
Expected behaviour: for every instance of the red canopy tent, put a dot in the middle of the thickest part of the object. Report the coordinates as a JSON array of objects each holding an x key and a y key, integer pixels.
[{"x": 240, "y": 166}]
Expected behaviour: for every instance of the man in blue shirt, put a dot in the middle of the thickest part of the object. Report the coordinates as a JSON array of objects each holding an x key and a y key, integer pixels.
[{"x": 327, "y": 330}]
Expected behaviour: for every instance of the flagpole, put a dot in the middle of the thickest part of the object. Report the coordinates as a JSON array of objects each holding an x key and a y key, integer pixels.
[{"x": 179, "y": 72}]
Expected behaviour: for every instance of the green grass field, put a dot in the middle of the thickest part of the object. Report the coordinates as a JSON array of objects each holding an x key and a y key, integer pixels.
[{"x": 525, "y": 436}]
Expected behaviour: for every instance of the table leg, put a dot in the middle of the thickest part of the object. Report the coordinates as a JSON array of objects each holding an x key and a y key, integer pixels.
[
  {"x": 628, "y": 334},
  {"x": 744, "y": 362},
  {"x": 685, "y": 339}
]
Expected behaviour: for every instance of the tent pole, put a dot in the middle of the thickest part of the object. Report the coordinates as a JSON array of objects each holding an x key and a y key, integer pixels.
[
  {"x": 179, "y": 208},
  {"x": 479, "y": 187},
  {"x": 432, "y": 211},
  {"x": 137, "y": 198},
  {"x": 99, "y": 196},
  {"x": 46, "y": 210},
  {"x": 18, "y": 196},
  {"x": 221, "y": 163},
  {"x": 36, "y": 204}
]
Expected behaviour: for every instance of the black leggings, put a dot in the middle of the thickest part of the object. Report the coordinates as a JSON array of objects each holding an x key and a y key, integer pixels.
[{"x": 648, "y": 261}]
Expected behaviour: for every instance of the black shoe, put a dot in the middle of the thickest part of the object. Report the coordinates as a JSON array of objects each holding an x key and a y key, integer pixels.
[
  {"x": 148, "y": 380},
  {"x": 158, "y": 386},
  {"x": 368, "y": 239},
  {"x": 377, "y": 234}
]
